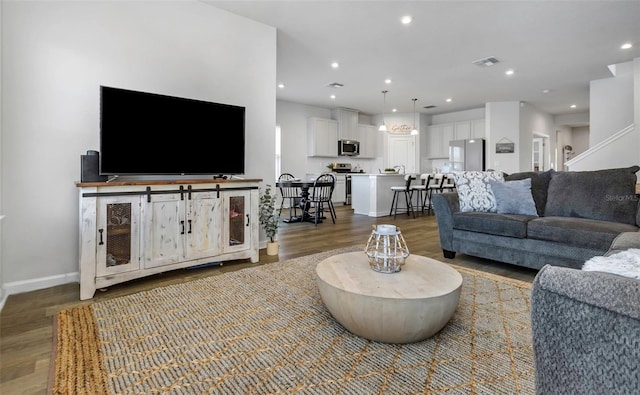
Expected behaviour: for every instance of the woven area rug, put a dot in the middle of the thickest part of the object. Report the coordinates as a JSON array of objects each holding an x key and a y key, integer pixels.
[{"x": 264, "y": 330}]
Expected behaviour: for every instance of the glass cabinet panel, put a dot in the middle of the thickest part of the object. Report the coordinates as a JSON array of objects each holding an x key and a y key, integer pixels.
[
  {"x": 118, "y": 241},
  {"x": 237, "y": 221}
]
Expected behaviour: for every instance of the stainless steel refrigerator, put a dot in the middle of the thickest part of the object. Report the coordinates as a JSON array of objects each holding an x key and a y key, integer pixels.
[{"x": 467, "y": 155}]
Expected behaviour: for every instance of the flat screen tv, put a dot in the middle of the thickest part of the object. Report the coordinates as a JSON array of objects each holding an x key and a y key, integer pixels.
[{"x": 152, "y": 134}]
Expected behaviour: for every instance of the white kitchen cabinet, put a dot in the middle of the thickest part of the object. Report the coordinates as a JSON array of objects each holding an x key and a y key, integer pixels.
[
  {"x": 368, "y": 137},
  {"x": 438, "y": 138},
  {"x": 322, "y": 137},
  {"x": 401, "y": 151},
  {"x": 462, "y": 130},
  {"x": 339, "y": 192},
  {"x": 132, "y": 229},
  {"x": 478, "y": 129},
  {"x": 347, "y": 123}
]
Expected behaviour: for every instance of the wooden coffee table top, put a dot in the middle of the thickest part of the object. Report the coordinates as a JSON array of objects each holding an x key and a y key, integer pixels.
[{"x": 420, "y": 277}]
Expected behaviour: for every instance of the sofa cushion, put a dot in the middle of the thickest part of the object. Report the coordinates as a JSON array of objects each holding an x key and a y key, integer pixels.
[
  {"x": 607, "y": 195},
  {"x": 514, "y": 197},
  {"x": 581, "y": 232},
  {"x": 539, "y": 186},
  {"x": 511, "y": 225},
  {"x": 473, "y": 190}
]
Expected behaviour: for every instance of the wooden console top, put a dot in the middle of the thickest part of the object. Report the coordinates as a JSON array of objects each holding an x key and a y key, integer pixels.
[{"x": 163, "y": 182}]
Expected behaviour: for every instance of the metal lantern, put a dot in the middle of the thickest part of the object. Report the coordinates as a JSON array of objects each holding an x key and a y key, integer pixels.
[{"x": 386, "y": 249}]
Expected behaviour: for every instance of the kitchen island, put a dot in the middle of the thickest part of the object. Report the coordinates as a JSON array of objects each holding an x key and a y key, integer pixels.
[{"x": 371, "y": 193}]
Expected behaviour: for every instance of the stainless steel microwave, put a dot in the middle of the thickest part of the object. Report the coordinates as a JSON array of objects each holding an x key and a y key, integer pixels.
[{"x": 348, "y": 148}]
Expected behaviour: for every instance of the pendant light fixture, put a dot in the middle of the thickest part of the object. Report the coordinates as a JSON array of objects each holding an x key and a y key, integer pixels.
[
  {"x": 383, "y": 127},
  {"x": 414, "y": 131}
]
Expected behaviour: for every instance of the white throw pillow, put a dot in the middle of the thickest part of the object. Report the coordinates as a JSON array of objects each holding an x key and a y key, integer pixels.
[{"x": 474, "y": 192}]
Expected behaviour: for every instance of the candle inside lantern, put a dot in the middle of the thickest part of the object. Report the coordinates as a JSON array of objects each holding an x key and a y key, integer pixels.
[{"x": 386, "y": 249}]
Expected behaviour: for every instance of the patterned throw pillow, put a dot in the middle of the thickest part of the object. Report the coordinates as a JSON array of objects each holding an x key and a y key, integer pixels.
[{"x": 474, "y": 192}]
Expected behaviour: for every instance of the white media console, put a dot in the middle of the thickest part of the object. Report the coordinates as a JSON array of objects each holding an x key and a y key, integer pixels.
[{"x": 132, "y": 229}]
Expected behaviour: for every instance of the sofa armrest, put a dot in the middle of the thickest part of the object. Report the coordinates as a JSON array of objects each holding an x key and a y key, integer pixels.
[
  {"x": 624, "y": 241},
  {"x": 586, "y": 332},
  {"x": 444, "y": 205}
]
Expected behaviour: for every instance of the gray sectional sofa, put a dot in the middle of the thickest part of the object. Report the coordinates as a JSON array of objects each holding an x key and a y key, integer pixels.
[
  {"x": 579, "y": 214},
  {"x": 586, "y": 329}
]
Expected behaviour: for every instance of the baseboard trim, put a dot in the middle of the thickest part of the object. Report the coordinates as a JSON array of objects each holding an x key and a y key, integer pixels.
[{"x": 17, "y": 287}]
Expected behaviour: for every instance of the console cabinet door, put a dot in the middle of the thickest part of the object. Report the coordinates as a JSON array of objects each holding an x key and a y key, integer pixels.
[
  {"x": 204, "y": 224},
  {"x": 165, "y": 226},
  {"x": 118, "y": 235},
  {"x": 237, "y": 221}
]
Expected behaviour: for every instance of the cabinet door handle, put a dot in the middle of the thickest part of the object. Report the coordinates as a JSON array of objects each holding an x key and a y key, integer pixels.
[
  {"x": 101, "y": 241},
  {"x": 182, "y": 224},
  {"x": 247, "y": 220},
  {"x": 189, "y": 221}
]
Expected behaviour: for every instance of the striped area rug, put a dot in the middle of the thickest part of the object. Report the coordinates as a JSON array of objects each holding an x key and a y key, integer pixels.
[{"x": 264, "y": 330}]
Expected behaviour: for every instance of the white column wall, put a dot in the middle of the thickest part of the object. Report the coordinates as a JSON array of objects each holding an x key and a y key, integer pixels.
[
  {"x": 55, "y": 57},
  {"x": 503, "y": 125},
  {"x": 611, "y": 106}
]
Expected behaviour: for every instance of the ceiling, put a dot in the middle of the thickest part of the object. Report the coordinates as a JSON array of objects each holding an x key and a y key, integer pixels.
[{"x": 559, "y": 46}]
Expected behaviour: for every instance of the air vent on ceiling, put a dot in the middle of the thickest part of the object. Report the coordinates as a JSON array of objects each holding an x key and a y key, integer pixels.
[
  {"x": 486, "y": 62},
  {"x": 335, "y": 85},
  {"x": 430, "y": 106}
]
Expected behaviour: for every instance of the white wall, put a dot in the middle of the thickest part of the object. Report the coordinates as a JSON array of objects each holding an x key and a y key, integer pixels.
[
  {"x": 2, "y": 291},
  {"x": 535, "y": 123},
  {"x": 610, "y": 104},
  {"x": 580, "y": 138},
  {"x": 458, "y": 116},
  {"x": 503, "y": 126},
  {"x": 55, "y": 57}
]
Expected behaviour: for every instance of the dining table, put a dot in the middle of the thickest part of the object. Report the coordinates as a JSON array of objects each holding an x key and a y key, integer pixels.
[{"x": 305, "y": 186}]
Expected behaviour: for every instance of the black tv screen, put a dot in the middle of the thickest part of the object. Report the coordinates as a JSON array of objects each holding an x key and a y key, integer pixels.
[{"x": 151, "y": 134}]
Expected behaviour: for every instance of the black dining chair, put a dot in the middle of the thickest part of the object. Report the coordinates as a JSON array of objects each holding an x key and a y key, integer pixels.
[
  {"x": 292, "y": 194},
  {"x": 320, "y": 197}
]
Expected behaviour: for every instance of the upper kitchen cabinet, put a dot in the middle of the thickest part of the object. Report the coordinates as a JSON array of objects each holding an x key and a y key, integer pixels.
[
  {"x": 478, "y": 129},
  {"x": 368, "y": 137},
  {"x": 347, "y": 123},
  {"x": 438, "y": 138},
  {"x": 462, "y": 130},
  {"x": 439, "y": 135},
  {"x": 322, "y": 137}
]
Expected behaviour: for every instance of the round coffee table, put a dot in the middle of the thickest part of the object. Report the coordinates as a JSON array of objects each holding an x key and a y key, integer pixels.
[{"x": 408, "y": 306}]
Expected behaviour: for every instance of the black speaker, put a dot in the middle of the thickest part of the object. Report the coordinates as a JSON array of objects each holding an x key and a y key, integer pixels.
[{"x": 90, "y": 167}]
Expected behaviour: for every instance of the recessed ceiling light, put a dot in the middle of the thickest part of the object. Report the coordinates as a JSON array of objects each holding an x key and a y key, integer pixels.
[
  {"x": 626, "y": 46},
  {"x": 573, "y": 106},
  {"x": 333, "y": 96},
  {"x": 509, "y": 72},
  {"x": 281, "y": 86},
  {"x": 387, "y": 81},
  {"x": 546, "y": 91},
  {"x": 335, "y": 65},
  {"x": 406, "y": 19},
  {"x": 394, "y": 110},
  {"x": 449, "y": 100}
]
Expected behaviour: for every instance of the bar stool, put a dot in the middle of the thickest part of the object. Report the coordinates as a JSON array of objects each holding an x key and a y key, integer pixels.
[
  {"x": 435, "y": 186},
  {"x": 421, "y": 189},
  {"x": 407, "y": 192},
  {"x": 449, "y": 183}
]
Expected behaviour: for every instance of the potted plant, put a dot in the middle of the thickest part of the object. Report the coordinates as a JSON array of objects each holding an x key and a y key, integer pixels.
[{"x": 269, "y": 219}]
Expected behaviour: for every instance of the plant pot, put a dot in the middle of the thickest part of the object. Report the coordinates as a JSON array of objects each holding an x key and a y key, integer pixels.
[{"x": 272, "y": 248}]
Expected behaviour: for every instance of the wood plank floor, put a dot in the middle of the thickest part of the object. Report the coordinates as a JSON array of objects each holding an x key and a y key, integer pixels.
[{"x": 26, "y": 322}]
